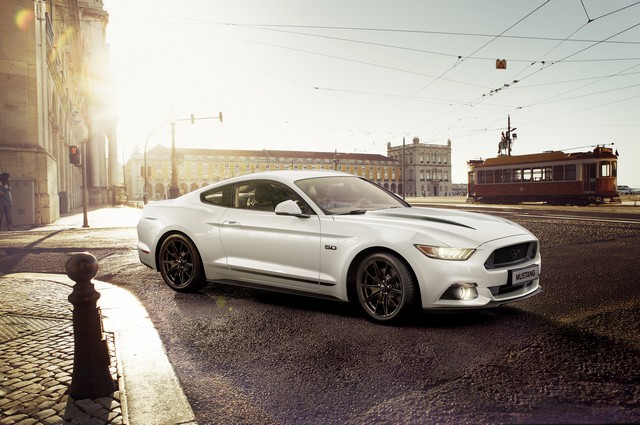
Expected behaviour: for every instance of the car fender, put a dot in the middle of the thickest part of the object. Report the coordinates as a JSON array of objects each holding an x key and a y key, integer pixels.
[
  {"x": 343, "y": 243},
  {"x": 203, "y": 231}
]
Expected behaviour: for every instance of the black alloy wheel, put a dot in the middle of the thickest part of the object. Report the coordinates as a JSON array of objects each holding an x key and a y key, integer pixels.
[
  {"x": 386, "y": 287},
  {"x": 180, "y": 264}
]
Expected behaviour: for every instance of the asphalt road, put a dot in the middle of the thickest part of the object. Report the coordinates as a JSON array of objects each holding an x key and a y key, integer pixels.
[{"x": 570, "y": 355}]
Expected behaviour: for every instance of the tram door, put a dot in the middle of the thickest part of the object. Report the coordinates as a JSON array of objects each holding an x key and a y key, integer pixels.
[{"x": 589, "y": 174}]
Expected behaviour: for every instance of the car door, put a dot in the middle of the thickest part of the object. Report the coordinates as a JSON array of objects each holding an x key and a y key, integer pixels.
[{"x": 268, "y": 249}]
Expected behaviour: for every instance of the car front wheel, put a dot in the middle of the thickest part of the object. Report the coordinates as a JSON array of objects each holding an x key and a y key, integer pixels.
[
  {"x": 386, "y": 287},
  {"x": 180, "y": 264}
]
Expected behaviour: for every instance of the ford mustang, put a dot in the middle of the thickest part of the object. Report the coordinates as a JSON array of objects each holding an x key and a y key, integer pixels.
[{"x": 337, "y": 236}]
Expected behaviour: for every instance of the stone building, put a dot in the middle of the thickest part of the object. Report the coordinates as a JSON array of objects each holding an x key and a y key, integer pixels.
[
  {"x": 54, "y": 66},
  {"x": 427, "y": 167},
  {"x": 199, "y": 167}
]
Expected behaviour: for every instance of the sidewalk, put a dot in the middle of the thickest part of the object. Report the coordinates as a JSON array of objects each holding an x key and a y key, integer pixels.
[{"x": 37, "y": 349}]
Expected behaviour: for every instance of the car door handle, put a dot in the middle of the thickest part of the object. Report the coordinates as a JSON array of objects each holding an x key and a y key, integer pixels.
[{"x": 230, "y": 223}]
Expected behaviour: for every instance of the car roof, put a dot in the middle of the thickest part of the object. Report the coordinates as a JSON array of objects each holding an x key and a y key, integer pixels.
[
  {"x": 283, "y": 176},
  {"x": 287, "y": 176}
]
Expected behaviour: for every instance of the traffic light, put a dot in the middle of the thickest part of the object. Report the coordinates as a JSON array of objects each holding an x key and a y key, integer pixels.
[{"x": 74, "y": 155}]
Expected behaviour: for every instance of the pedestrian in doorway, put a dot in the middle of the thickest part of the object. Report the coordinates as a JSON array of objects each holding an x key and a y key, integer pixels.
[{"x": 5, "y": 200}]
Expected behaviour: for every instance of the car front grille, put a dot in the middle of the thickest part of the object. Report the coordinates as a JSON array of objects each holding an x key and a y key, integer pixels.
[
  {"x": 512, "y": 255},
  {"x": 510, "y": 289}
]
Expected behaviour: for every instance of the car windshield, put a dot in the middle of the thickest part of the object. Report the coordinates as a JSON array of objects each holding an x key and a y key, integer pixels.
[{"x": 348, "y": 195}]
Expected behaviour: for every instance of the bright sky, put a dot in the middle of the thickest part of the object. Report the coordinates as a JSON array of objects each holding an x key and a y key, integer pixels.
[{"x": 353, "y": 75}]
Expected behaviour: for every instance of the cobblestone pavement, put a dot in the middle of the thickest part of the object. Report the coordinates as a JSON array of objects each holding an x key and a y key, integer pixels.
[
  {"x": 36, "y": 358},
  {"x": 37, "y": 334}
]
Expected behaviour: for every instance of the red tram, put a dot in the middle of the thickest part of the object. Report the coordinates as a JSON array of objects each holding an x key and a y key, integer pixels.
[{"x": 553, "y": 177}]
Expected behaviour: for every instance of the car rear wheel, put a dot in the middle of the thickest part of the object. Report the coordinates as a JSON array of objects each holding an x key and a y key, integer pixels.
[
  {"x": 386, "y": 287},
  {"x": 181, "y": 265}
]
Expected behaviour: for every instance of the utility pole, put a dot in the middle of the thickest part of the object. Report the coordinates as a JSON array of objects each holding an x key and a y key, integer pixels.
[{"x": 174, "y": 190}]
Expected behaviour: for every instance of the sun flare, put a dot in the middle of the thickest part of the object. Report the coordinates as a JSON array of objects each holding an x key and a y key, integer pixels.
[{"x": 24, "y": 18}]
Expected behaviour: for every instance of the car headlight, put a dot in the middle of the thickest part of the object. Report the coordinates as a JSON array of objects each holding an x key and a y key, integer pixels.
[{"x": 446, "y": 253}]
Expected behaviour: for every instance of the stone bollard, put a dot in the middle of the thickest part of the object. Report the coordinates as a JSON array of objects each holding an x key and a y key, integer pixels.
[{"x": 91, "y": 377}]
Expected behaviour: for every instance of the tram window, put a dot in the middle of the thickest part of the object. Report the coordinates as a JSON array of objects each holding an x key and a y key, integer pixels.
[
  {"x": 546, "y": 174},
  {"x": 537, "y": 174},
  {"x": 499, "y": 176},
  {"x": 614, "y": 169},
  {"x": 517, "y": 175},
  {"x": 480, "y": 177},
  {"x": 526, "y": 174},
  {"x": 507, "y": 176},
  {"x": 605, "y": 169},
  {"x": 558, "y": 173},
  {"x": 489, "y": 177},
  {"x": 570, "y": 172}
]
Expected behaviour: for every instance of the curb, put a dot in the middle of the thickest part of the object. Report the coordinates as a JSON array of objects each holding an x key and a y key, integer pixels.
[{"x": 149, "y": 390}]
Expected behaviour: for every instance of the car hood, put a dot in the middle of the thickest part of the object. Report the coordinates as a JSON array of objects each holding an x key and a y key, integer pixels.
[{"x": 449, "y": 227}]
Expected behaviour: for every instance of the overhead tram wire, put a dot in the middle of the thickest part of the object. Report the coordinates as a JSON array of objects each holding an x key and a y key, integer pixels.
[
  {"x": 171, "y": 19},
  {"x": 587, "y": 108},
  {"x": 545, "y": 66},
  {"x": 374, "y": 64},
  {"x": 546, "y": 53},
  {"x": 502, "y": 35},
  {"x": 585, "y": 10},
  {"x": 591, "y": 107},
  {"x": 612, "y": 12},
  {"x": 510, "y": 27},
  {"x": 568, "y": 38},
  {"x": 495, "y": 38},
  {"x": 549, "y": 99},
  {"x": 461, "y": 59},
  {"x": 410, "y": 49},
  {"x": 575, "y": 80},
  {"x": 268, "y": 26},
  {"x": 356, "y": 61},
  {"x": 595, "y": 43},
  {"x": 411, "y": 31}
]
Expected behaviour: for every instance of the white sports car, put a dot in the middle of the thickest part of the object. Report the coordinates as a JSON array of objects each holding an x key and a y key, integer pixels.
[{"x": 337, "y": 236}]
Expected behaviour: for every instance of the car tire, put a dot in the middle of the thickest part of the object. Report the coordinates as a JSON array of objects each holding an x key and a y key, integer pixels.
[
  {"x": 180, "y": 264},
  {"x": 386, "y": 287}
]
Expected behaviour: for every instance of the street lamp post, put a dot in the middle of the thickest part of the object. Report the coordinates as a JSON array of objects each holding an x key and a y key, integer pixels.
[{"x": 174, "y": 190}]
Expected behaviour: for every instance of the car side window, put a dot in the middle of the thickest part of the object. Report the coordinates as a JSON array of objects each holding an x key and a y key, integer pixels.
[
  {"x": 264, "y": 196},
  {"x": 220, "y": 196}
]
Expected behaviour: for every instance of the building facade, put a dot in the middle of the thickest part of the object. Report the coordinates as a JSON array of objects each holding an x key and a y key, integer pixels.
[
  {"x": 54, "y": 66},
  {"x": 199, "y": 167},
  {"x": 427, "y": 168}
]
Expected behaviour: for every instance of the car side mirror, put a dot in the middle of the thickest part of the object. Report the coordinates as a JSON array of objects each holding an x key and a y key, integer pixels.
[{"x": 290, "y": 207}]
